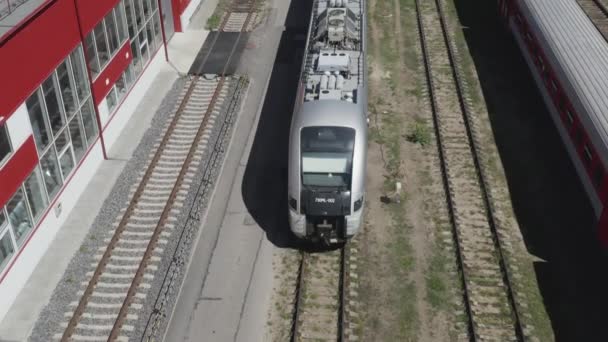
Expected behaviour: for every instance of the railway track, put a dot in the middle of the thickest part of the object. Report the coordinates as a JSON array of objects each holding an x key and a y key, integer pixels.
[
  {"x": 489, "y": 297},
  {"x": 121, "y": 274},
  {"x": 597, "y": 11},
  {"x": 319, "y": 313}
]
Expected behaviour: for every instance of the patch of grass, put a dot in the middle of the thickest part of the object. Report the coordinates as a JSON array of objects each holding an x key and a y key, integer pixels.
[
  {"x": 214, "y": 21},
  {"x": 420, "y": 134},
  {"x": 436, "y": 287}
]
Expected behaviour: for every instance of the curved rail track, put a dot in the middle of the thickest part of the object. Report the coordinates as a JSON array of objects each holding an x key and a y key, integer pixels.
[
  {"x": 111, "y": 300},
  {"x": 489, "y": 297},
  {"x": 319, "y": 313}
]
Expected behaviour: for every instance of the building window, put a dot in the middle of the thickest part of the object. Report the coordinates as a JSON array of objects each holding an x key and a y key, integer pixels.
[
  {"x": 50, "y": 172},
  {"x": 111, "y": 31},
  {"x": 56, "y": 118},
  {"x": 66, "y": 84},
  {"x": 79, "y": 142},
  {"x": 88, "y": 120},
  {"x": 143, "y": 20},
  {"x": 7, "y": 249},
  {"x": 80, "y": 74},
  {"x": 35, "y": 193},
  {"x": 2, "y": 218},
  {"x": 102, "y": 45},
  {"x": 19, "y": 216},
  {"x": 40, "y": 126},
  {"x": 5, "y": 145},
  {"x": 121, "y": 22},
  {"x": 92, "y": 56}
]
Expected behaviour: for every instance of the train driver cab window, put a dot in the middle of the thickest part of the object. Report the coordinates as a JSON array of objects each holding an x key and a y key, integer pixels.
[
  {"x": 5, "y": 145},
  {"x": 327, "y": 156}
]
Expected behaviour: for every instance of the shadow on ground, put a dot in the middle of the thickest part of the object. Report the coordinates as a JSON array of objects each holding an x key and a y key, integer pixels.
[
  {"x": 264, "y": 185},
  {"x": 550, "y": 204}
]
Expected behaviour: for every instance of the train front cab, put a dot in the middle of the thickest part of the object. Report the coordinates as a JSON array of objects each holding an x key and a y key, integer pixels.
[{"x": 584, "y": 152}]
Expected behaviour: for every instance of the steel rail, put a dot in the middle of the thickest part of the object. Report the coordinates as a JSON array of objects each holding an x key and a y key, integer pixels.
[
  {"x": 303, "y": 272},
  {"x": 73, "y": 323},
  {"x": 475, "y": 151}
]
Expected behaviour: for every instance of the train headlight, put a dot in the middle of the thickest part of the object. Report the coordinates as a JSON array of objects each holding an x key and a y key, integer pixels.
[
  {"x": 293, "y": 203},
  {"x": 358, "y": 204}
]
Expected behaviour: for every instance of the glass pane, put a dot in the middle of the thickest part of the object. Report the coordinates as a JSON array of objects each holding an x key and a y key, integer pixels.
[
  {"x": 40, "y": 127},
  {"x": 138, "y": 13},
  {"x": 50, "y": 172},
  {"x": 158, "y": 36},
  {"x": 146, "y": 4},
  {"x": 136, "y": 58},
  {"x": 67, "y": 90},
  {"x": 77, "y": 134},
  {"x": 121, "y": 86},
  {"x": 111, "y": 100},
  {"x": 89, "y": 122},
  {"x": 6, "y": 250},
  {"x": 67, "y": 162},
  {"x": 35, "y": 193},
  {"x": 102, "y": 45},
  {"x": 18, "y": 214},
  {"x": 130, "y": 18},
  {"x": 143, "y": 46},
  {"x": 80, "y": 74},
  {"x": 92, "y": 55},
  {"x": 129, "y": 75},
  {"x": 62, "y": 140},
  {"x": 154, "y": 5},
  {"x": 111, "y": 32},
  {"x": 119, "y": 12},
  {"x": 5, "y": 144},
  {"x": 150, "y": 33},
  {"x": 56, "y": 118},
  {"x": 2, "y": 218}
]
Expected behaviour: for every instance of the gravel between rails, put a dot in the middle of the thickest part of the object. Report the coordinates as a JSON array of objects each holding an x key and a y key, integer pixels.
[{"x": 48, "y": 323}]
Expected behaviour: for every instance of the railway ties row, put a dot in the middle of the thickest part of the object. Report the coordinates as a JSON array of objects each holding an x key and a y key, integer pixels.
[
  {"x": 488, "y": 292},
  {"x": 156, "y": 199}
]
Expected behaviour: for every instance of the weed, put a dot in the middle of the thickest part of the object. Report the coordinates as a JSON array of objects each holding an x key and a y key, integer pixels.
[{"x": 420, "y": 134}]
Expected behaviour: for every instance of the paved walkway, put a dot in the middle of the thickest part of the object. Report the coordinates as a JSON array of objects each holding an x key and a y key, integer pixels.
[{"x": 23, "y": 314}]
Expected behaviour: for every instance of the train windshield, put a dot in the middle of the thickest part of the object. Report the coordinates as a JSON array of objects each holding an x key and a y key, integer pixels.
[{"x": 327, "y": 156}]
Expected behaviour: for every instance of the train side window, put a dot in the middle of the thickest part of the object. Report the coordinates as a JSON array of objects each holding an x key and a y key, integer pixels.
[
  {"x": 541, "y": 64},
  {"x": 598, "y": 176},
  {"x": 569, "y": 116},
  {"x": 519, "y": 19},
  {"x": 588, "y": 157},
  {"x": 553, "y": 86}
]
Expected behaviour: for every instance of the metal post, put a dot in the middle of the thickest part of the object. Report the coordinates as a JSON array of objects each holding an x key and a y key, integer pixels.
[
  {"x": 162, "y": 29},
  {"x": 90, "y": 76}
]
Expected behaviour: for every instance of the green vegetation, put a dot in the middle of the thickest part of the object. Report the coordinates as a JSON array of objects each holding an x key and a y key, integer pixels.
[{"x": 420, "y": 134}]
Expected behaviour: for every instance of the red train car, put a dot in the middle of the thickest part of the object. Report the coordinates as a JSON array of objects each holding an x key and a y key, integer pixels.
[{"x": 568, "y": 58}]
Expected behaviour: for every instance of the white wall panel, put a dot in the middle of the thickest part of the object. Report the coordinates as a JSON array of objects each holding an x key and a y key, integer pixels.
[{"x": 19, "y": 127}]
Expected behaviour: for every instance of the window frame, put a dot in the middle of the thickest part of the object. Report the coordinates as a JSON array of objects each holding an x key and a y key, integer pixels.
[
  {"x": 11, "y": 150},
  {"x": 8, "y": 229}
]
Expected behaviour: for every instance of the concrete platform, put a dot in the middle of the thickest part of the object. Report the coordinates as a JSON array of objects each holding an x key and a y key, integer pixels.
[{"x": 23, "y": 314}]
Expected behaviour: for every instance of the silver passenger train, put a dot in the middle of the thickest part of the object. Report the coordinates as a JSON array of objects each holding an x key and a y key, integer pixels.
[{"x": 328, "y": 138}]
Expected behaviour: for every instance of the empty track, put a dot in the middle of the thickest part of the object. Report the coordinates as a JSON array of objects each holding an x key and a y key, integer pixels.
[
  {"x": 488, "y": 293},
  {"x": 119, "y": 278}
]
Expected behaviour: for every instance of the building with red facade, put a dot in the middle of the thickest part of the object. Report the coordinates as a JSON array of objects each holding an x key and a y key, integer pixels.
[{"x": 71, "y": 74}]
